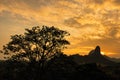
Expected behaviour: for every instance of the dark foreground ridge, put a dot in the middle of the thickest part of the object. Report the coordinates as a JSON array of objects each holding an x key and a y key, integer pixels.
[
  {"x": 94, "y": 56},
  {"x": 75, "y": 67}
]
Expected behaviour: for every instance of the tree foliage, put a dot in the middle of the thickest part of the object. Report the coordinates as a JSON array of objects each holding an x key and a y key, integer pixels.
[{"x": 37, "y": 44}]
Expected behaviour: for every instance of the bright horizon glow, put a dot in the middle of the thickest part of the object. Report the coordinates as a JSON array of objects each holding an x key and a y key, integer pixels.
[{"x": 102, "y": 53}]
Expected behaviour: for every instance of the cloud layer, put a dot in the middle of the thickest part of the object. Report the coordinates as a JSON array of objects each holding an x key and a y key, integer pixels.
[{"x": 90, "y": 22}]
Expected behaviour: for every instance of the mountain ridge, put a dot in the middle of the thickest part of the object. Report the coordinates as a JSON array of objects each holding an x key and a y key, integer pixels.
[{"x": 94, "y": 56}]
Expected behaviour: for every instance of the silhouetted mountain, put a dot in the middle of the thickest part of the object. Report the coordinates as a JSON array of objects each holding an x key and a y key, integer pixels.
[
  {"x": 117, "y": 60},
  {"x": 94, "y": 56},
  {"x": 60, "y": 67},
  {"x": 95, "y": 52}
]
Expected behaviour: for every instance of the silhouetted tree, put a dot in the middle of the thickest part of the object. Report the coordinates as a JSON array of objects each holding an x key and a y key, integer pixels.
[{"x": 38, "y": 44}]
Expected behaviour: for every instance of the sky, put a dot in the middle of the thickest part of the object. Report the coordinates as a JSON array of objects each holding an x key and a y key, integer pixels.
[{"x": 90, "y": 22}]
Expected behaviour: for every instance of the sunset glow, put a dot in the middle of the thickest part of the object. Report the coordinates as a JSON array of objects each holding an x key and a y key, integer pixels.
[
  {"x": 90, "y": 22},
  {"x": 102, "y": 53}
]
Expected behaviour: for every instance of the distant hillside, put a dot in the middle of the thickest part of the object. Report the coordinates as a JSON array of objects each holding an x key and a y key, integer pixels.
[
  {"x": 94, "y": 56},
  {"x": 113, "y": 59}
]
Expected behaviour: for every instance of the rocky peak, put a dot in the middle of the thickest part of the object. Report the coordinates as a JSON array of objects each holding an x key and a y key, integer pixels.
[{"x": 96, "y": 51}]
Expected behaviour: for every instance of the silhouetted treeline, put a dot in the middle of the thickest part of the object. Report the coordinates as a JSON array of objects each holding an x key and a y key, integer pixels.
[
  {"x": 37, "y": 55},
  {"x": 58, "y": 68}
]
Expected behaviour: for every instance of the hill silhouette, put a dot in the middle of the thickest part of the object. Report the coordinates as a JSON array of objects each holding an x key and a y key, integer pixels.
[
  {"x": 60, "y": 67},
  {"x": 63, "y": 67},
  {"x": 117, "y": 60},
  {"x": 37, "y": 55},
  {"x": 94, "y": 56}
]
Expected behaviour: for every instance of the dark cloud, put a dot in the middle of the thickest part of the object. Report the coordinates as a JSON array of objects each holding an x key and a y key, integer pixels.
[
  {"x": 88, "y": 10},
  {"x": 116, "y": 2},
  {"x": 113, "y": 31},
  {"x": 97, "y": 1},
  {"x": 111, "y": 14},
  {"x": 92, "y": 25},
  {"x": 8, "y": 18},
  {"x": 71, "y": 22},
  {"x": 110, "y": 21},
  {"x": 36, "y": 4},
  {"x": 33, "y": 4},
  {"x": 27, "y": 6}
]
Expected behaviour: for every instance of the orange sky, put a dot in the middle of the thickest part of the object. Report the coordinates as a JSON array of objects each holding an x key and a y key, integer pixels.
[{"x": 90, "y": 22}]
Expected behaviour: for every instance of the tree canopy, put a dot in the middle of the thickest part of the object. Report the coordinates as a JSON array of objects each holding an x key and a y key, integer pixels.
[{"x": 37, "y": 44}]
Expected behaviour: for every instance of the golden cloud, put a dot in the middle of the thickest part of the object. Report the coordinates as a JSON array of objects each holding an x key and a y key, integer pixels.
[{"x": 90, "y": 22}]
